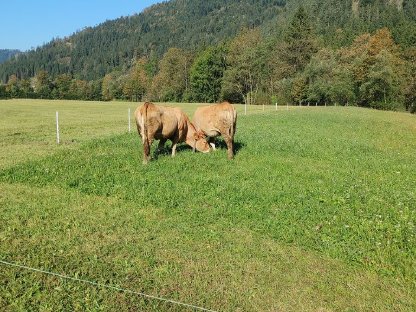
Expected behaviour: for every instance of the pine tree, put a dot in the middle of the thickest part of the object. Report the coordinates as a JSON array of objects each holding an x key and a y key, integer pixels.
[{"x": 299, "y": 43}]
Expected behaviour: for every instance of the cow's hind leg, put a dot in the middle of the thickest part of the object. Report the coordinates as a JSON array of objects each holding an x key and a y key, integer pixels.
[
  {"x": 230, "y": 146},
  {"x": 146, "y": 150}
]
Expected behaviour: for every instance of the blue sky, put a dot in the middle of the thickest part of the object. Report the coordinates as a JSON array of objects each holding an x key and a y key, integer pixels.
[{"x": 30, "y": 23}]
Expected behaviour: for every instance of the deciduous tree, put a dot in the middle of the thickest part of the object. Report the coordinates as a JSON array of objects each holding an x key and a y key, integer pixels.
[
  {"x": 244, "y": 67},
  {"x": 172, "y": 80},
  {"x": 62, "y": 86},
  {"x": 207, "y": 73},
  {"x": 377, "y": 69},
  {"x": 410, "y": 80},
  {"x": 137, "y": 82},
  {"x": 43, "y": 85},
  {"x": 12, "y": 87},
  {"x": 111, "y": 87}
]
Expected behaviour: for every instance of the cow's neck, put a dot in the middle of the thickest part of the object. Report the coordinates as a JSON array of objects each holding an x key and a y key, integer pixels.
[{"x": 190, "y": 135}]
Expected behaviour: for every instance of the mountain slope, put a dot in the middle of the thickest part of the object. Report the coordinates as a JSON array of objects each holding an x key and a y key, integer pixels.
[
  {"x": 91, "y": 53},
  {"x": 6, "y": 54},
  {"x": 191, "y": 25}
]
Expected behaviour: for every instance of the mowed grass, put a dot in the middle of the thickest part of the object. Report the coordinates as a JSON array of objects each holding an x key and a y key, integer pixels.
[{"x": 315, "y": 213}]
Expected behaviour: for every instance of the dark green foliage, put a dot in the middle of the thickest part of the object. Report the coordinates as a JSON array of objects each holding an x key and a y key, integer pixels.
[
  {"x": 94, "y": 52},
  {"x": 3, "y": 93},
  {"x": 192, "y": 24},
  {"x": 242, "y": 79},
  {"x": 172, "y": 81},
  {"x": 299, "y": 42},
  {"x": 207, "y": 73},
  {"x": 410, "y": 80},
  {"x": 381, "y": 88}
]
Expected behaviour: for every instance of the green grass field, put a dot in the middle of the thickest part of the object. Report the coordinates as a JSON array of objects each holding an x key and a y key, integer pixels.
[{"x": 317, "y": 212}]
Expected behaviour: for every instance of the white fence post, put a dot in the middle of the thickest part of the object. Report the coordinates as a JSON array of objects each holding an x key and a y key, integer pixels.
[
  {"x": 129, "y": 120},
  {"x": 57, "y": 128}
]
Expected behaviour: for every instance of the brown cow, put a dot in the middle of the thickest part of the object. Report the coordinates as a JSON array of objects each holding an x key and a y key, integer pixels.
[
  {"x": 167, "y": 123},
  {"x": 215, "y": 120}
]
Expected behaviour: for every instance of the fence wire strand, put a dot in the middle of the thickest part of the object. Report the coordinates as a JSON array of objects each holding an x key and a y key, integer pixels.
[{"x": 6, "y": 263}]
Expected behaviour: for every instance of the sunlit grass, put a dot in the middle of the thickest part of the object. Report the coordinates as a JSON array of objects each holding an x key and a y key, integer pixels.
[{"x": 316, "y": 211}]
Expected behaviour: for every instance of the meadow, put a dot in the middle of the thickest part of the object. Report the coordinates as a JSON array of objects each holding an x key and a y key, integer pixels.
[{"x": 316, "y": 212}]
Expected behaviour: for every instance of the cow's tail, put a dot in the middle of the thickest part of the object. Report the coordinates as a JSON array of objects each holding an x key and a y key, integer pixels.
[
  {"x": 145, "y": 136},
  {"x": 233, "y": 123},
  {"x": 232, "y": 113}
]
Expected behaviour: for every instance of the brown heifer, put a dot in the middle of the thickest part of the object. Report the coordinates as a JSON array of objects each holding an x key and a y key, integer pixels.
[
  {"x": 215, "y": 120},
  {"x": 166, "y": 123}
]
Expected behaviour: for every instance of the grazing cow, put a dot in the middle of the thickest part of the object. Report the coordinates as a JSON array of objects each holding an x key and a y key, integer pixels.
[
  {"x": 167, "y": 123},
  {"x": 215, "y": 120}
]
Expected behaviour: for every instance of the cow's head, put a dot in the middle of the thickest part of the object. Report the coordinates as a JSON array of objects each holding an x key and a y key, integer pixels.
[{"x": 200, "y": 142}]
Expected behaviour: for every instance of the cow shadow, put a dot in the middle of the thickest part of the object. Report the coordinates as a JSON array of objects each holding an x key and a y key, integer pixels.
[
  {"x": 220, "y": 144},
  {"x": 166, "y": 150},
  {"x": 181, "y": 147}
]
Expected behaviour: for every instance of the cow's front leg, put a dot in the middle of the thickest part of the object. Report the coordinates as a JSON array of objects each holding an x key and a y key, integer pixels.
[
  {"x": 161, "y": 145},
  {"x": 174, "y": 143}
]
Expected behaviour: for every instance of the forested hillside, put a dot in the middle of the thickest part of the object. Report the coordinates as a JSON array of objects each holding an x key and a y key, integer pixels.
[
  {"x": 255, "y": 51},
  {"x": 93, "y": 52}
]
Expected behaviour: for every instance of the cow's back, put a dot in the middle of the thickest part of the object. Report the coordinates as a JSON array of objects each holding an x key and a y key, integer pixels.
[
  {"x": 217, "y": 119},
  {"x": 171, "y": 121},
  {"x": 161, "y": 122}
]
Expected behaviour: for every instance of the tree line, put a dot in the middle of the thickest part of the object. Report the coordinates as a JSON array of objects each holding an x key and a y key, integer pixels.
[{"x": 295, "y": 66}]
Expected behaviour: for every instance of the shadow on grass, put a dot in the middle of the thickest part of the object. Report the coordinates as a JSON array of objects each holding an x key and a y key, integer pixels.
[{"x": 219, "y": 144}]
